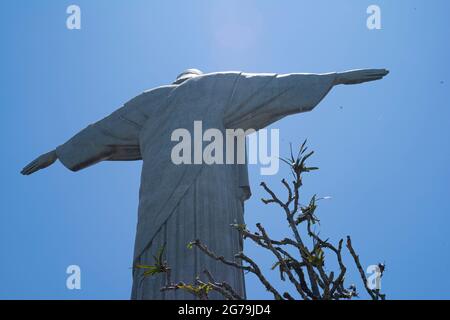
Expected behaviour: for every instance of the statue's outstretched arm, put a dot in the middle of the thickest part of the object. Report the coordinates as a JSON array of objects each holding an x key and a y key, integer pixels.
[
  {"x": 360, "y": 76},
  {"x": 261, "y": 99},
  {"x": 40, "y": 162},
  {"x": 115, "y": 137}
]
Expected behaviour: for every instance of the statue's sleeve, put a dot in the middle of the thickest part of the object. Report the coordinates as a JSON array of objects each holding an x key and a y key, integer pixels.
[
  {"x": 115, "y": 137},
  {"x": 261, "y": 99}
]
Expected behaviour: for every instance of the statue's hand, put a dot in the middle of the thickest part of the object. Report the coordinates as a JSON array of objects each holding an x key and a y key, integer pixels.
[
  {"x": 360, "y": 76},
  {"x": 39, "y": 163}
]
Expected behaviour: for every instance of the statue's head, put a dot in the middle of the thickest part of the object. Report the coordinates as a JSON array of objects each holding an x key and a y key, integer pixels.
[{"x": 187, "y": 74}]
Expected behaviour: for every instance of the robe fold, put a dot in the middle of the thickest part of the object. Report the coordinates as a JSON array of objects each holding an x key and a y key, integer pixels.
[{"x": 180, "y": 203}]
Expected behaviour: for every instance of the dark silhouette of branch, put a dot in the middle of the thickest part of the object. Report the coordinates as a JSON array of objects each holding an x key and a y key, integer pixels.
[{"x": 374, "y": 293}]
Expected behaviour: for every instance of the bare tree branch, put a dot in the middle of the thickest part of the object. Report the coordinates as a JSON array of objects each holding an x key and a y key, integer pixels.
[{"x": 303, "y": 264}]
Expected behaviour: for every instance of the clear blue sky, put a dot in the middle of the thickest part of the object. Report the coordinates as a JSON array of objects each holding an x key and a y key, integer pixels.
[{"x": 383, "y": 148}]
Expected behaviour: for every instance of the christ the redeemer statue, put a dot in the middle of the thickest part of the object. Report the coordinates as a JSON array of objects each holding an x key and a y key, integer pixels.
[{"x": 180, "y": 203}]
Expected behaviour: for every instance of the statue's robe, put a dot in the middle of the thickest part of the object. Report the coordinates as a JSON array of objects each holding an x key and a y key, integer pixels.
[{"x": 180, "y": 203}]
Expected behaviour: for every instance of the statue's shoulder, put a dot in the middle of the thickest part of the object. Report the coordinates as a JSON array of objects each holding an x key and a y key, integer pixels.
[
  {"x": 207, "y": 80},
  {"x": 159, "y": 91},
  {"x": 219, "y": 75},
  {"x": 151, "y": 97}
]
